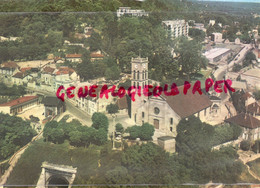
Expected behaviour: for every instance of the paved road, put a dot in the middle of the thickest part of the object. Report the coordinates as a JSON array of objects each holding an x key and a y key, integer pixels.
[{"x": 86, "y": 119}]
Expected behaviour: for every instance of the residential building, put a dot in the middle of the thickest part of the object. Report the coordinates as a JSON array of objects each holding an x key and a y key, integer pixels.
[
  {"x": 176, "y": 28},
  {"x": 88, "y": 31},
  {"x": 127, "y": 11},
  {"x": 21, "y": 78},
  {"x": 48, "y": 79},
  {"x": 75, "y": 58},
  {"x": 92, "y": 104},
  {"x": 212, "y": 22},
  {"x": 253, "y": 109},
  {"x": 64, "y": 76},
  {"x": 217, "y": 37},
  {"x": 249, "y": 124},
  {"x": 96, "y": 56},
  {"x": 199, "y": 26},
  {"x": 8, "y": 69},
  {"x": 19, "y": 105}
]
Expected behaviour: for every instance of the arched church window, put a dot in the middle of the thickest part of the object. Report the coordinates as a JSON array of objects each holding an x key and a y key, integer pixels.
[{"x": 138, "y": 75}]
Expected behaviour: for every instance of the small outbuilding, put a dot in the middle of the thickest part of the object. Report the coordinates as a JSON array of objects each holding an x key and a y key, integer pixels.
[
  {"x": 53, "y": 106},
  {"x": 167, "y": 143}
]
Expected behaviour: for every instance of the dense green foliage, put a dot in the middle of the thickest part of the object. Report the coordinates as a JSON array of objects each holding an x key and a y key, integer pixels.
[
  {"x": 14, "y": 134},
  {"x": 100, "y": 121},
  {"x": 256, "y": 146},
  {"x": 78, "y": 135},
  {"x": 225, "y": 133},
  {"x": 250, "y": 56},
  {"x": 144, "y": 132},
  {"x": 245, "y": 145},
  {"x": 119, "y": 128},
  {"x": 197, "y": 34},
  {"x": 12, "y": 91},
  {"x": 112, "y": 108},
  {"x": 140, "y": 164},
  {"x": 194, "y": 142},
  {"x": 257, "y": 95}
]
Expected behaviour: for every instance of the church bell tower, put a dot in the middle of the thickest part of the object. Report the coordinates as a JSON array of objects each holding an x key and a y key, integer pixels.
[{"x": 139, "y": 72}]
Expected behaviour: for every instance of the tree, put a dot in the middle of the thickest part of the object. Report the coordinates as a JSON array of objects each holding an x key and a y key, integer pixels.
[
  {"x": 193, "y": 136},
  {"x": 112, "y": 73},
  {"x": 54, "y": 39},
  {"x": 147, "y": 131},
  {"x": 118, "y": 175},
  {"x": 190, "y": 58},
  {"x": 99, "y": 121},
  {"x": 245, "y": 145},
  {"x": 95, "y": 42},
  {"x": 99, "y": 137},
  {"x": 119, "y": 128},
  {"x": 197, "y": 34},
  {"x": 257, "y": 95},
  {"x": 237, "y": 68},
  {"x": 112, "y": 108},
  {"x": 250, "y": 56},
  {"x": 75, "y": 138},
  {"x": 144, "y": 132}
]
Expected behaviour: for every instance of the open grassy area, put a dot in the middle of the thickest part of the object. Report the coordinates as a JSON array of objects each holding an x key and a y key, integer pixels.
[
  {"x": 255, "y": 166},
  {"x": 245, "y": 177},
  {"x": 28, "y": 168}
]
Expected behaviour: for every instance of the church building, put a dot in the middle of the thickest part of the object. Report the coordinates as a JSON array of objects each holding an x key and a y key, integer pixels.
[{"x": 164, "y": 112}]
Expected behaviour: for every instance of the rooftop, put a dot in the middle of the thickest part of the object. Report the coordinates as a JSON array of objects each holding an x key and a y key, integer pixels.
[
  {"x": 164, "y": 138},
  {"x": 10, "y": 64},
  {"x": 244, "y": 120},
  {"x": 51, "y": 101},
  {"x": 253, "y": 72},
  {"x": 19, "y": 101},
  {"x": 189, "y": 104},
  {"x": 215, "y": 52},
  {"x": 73, "y": 55},
  {"x": 174, "y": 22}
]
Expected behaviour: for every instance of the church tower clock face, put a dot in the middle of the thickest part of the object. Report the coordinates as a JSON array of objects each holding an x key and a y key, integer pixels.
[
  {"x": 144, "y": 66},
  {"x": 136, "y": 66}
]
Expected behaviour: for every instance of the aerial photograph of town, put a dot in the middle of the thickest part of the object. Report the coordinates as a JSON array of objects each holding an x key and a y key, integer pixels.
[{"x": 130, "y": 93}]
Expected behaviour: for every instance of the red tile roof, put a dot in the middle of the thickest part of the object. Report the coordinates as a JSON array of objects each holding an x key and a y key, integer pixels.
[
  {"x": 48, "y": 70},
  {"x": 65, "y": 70},
  {"x": 19, "y": 75},
  {"x": 244, "y": 120},
  {"x": 19, "y": 101},
  {"x": 187, "y": 105},
  {"x": 73, "y": 55},
  {"x": 10, "y": 64},
  {"x": 95, "y": 55},
  {"x": 25, "y": 69}
]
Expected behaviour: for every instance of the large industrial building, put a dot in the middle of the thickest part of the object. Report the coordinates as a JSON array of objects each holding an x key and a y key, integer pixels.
[{"x": 216, "y": 54}]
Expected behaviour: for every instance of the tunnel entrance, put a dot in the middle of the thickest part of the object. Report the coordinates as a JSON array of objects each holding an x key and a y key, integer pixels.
[
  {"x": 56, "y": 175},
  {"x": 58, "y": 182}
]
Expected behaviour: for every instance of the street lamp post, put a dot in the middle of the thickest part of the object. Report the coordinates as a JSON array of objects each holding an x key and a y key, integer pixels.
[{"x": 113, "y": 132}]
